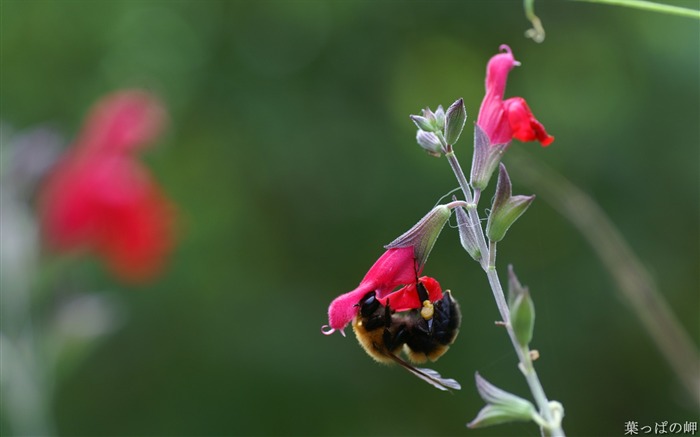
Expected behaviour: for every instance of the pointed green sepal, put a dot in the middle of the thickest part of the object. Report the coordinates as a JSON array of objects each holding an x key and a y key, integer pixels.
[
  {"x": 504, "y": 189},
  {"x": 455, "y": 118},
  {"x": 501, "y": 406},
  {"x": 514, "y": 286},
  {"x": 467, "y": 236},
  {"x": 506, "y": 208},
  {"x": 430, "y": 115},
  {"x": 429, "y": 142},
  {"x": 440, "y": 118},
  {"x": 496, "y": 415},
  {"x": 522, "y": 317},
  {"x": 422, "y": 235},
  {"x": 486, "y": 158},
  {"x": 423, "y": 123},
  {"x": 522, "y": 309}
]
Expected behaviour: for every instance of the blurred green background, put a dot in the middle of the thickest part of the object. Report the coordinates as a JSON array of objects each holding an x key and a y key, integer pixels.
[{"x": 292, "y": 160}]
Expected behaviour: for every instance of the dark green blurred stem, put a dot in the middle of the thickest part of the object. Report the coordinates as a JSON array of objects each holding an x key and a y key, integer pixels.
[
  {"x": 650, "y": 6},
  {"x": 28, "y": 397},
  {"x": 537, "y": 31},
  {"x": 634, "y": 282}
]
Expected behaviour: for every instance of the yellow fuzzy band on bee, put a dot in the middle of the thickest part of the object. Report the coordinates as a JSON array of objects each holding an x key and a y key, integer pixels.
[{"x": 371, "y": 342}]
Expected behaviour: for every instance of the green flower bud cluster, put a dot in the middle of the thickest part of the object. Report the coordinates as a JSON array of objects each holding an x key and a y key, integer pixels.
[{"x": 437, "y": 130}]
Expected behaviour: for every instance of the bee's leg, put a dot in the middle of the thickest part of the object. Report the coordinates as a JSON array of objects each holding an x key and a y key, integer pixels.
[
  {"x": 387, "y": 315},
  {"x": 374, "y": 322},
  {"x": 393, "y": 336},
  {"x": 447, "y": 319},
  {"x": 422, "y": 292},
  {"x": 396, "y": 339}
]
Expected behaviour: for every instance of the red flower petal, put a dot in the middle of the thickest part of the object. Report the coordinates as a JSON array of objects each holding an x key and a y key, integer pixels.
[
  {"x": 68, "y": 220},
  {"x": 492, "y": 119},
  {"x": 406, "y": 298},
  {"x": 344, "y": 307},
  {"x": 524, "y": 125},
  {"x": 123, "y": 121},
  {"x": 108, "y": 204},
  {"x": 394, "y": 268},
  {"x": 504, "y": 120},
  {"x": 101, "y": 199}
]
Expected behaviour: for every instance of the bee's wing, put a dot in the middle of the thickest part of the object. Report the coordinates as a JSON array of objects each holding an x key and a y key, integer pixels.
[
  {"x": 429, "y": 375},
  {"x": 444, "y": 383}
]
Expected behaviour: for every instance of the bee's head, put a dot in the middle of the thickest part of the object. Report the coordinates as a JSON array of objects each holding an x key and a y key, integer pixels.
[{"x": 369, "y": 304}]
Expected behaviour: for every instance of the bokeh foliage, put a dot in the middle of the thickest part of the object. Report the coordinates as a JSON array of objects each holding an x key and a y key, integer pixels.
[{"x": 292, "y": 159}]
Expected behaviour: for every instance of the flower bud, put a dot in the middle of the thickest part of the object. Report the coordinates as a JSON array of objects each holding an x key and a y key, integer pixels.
[
  {"x": 455, "y": 118},
  {"x": 430, "y": 115},
  {"x": 514, "y": 286},
  {"x": 422, "y": 235},
  {"x": 501, "y": 406},
  {"x": 522, "y": 309},
  {"x": 467, "y": 236},
  {"x": 429, "y": 142},
  {"x": 506, "y": 208},
  {"x": 423, "y": 123},
  {"x": 486, "y": 158},
  {"x": 440, "y": 118},
  {"x": 522, "y": 317}
]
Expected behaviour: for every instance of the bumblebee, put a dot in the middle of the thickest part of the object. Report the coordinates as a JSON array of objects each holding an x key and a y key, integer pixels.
[{"x": 423, "y": 333}]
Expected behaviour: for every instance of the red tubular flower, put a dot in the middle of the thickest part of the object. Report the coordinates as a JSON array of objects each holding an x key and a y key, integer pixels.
[
  {"x": 406, "y": 298},
  {"x": 100, "y": 198},
  {"x": 504, "y": 120},
  {"x": 395, "y": 268},
  {"x": 123, "y": 121},
  {"x": 399, "y": 266}
]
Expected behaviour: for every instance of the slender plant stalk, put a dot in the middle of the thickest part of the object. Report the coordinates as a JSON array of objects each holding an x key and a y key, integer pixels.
[
  {"x": 537, "y": 31},
  {"x": 634, "y": 283},
  {"x": 25, "y": 396},
  {"x": 651, "y": 6},
  {"x": 552, "y": 418},
  {"x": 471, "y": 212}
]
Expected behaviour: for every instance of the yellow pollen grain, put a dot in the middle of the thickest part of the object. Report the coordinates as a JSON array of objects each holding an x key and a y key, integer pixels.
[{"x": 427, "y": 311}]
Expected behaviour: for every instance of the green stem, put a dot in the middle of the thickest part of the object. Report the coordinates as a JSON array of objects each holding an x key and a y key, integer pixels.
[
  {"x": 472, "y": 213},
  {"x": 634, "y": 282},
  {"x": 526, "y": 366},
  {"x": 650, "y": 6},
  {"x": 537, "y": 31},
  {"x": 488, "y": 264},
  {"x": 27, "y": 397},
  {"x": 492, "y": 255}
]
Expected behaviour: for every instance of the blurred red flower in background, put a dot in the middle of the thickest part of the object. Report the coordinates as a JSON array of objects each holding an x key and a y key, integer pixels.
[{"x": 100, "y": 198}]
